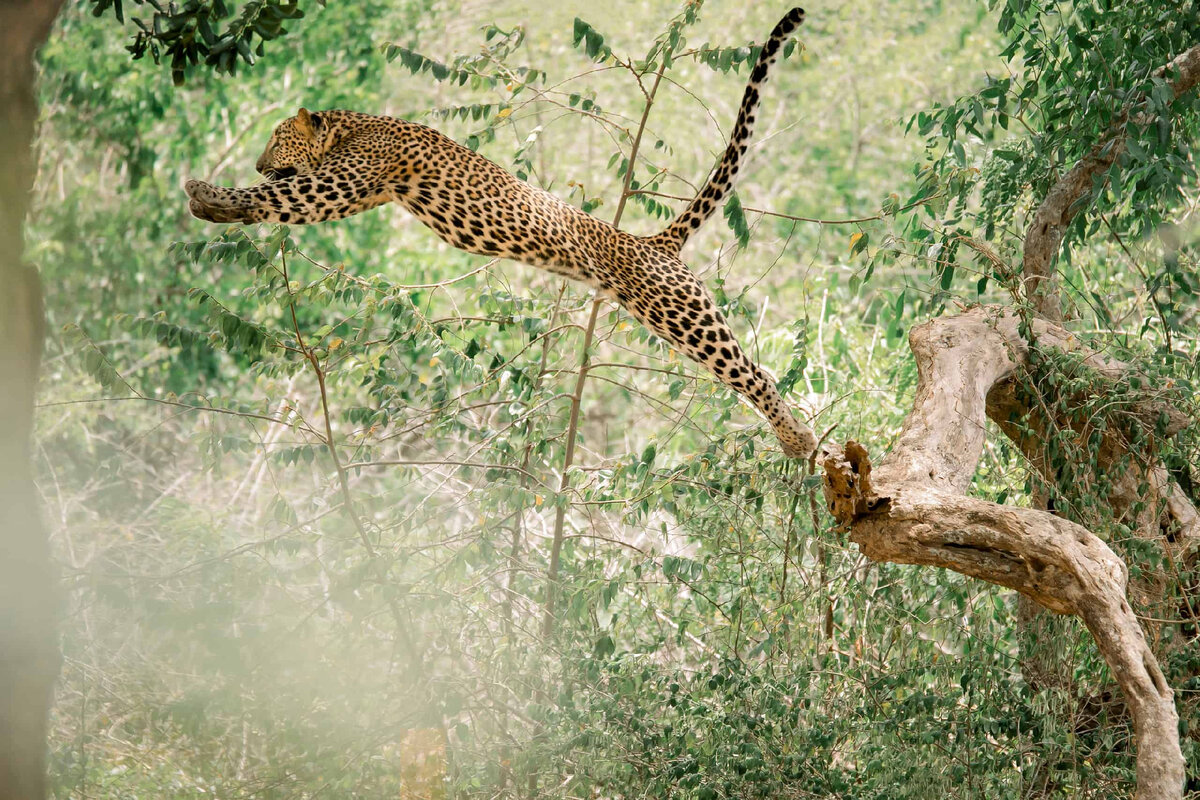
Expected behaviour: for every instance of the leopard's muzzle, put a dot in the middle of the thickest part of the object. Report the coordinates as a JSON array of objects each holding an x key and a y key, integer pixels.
[{"x": 278, "y": 174}]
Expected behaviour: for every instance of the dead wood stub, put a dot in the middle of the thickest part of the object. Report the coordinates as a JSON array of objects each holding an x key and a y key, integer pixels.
[{"x": 848, "y": 489}]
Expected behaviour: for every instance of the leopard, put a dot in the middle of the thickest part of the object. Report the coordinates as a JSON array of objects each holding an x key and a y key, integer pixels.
[{"x": 328, "y": 165}]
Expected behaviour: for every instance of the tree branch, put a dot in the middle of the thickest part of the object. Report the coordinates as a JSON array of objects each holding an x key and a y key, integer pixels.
[
  {"x": 1069, "y": 195},
  {"x": 584, "y": 366}
]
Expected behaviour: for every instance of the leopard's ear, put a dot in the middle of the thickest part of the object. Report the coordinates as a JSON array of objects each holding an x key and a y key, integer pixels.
[{"x": 307, "y": 123}]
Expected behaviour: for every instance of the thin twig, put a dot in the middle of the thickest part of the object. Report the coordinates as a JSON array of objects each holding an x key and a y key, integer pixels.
[
  {"x": 765, "y": 212},
  {"x": 577, "y": 395},
  {"x": 347, "y": 498}
]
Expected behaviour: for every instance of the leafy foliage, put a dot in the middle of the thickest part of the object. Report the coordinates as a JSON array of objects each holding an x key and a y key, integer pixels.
[{"x": 183, "y": 35}]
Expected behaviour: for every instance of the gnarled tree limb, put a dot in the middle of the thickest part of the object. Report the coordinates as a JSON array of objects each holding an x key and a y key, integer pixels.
[{"x": 912, "y": 509}]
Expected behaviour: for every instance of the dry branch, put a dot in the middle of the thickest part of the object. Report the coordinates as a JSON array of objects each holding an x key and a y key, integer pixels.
[
  {"x": 912, "y": 509},
  {"x": 1174, "y": 515}
]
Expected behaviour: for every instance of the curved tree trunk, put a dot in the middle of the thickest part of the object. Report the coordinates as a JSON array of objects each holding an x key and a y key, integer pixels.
[
  {"x": 913, "y": 509},
  {"x": 28, "y": 642}
]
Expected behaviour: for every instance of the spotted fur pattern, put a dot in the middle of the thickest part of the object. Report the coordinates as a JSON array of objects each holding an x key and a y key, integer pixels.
[{"x": 331, "y": 164}]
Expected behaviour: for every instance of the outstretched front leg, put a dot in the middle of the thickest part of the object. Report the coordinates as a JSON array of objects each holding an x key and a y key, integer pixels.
[{"x": 300, "y": 199}]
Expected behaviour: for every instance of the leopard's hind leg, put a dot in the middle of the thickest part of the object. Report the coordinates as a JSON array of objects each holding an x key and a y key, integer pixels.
[{"x": 669, "y": 300}]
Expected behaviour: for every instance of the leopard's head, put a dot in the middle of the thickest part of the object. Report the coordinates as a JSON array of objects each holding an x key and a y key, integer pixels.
[{"x": 297, "y": 147}]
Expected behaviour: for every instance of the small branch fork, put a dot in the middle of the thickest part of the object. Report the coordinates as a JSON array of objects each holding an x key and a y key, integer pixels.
[
  {"x": 912, "y": 509},
  {"x": 580, "y": 380},
  {"x": 329, "y": 440}
]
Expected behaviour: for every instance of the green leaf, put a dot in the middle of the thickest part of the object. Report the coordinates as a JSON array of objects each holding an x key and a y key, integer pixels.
[
  {"x": 604, "y": 647},
  {"x": 736, "y": 219}
]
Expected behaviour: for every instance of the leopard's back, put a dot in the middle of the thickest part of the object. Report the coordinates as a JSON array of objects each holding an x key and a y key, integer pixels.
[{"x": 473, "y": 204}]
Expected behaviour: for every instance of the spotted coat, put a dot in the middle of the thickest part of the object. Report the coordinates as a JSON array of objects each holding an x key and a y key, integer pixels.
[{"x": 331, "y": 164}]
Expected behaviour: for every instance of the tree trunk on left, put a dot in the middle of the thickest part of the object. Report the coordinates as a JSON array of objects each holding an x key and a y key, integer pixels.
[{"x": 28, "y": 643}]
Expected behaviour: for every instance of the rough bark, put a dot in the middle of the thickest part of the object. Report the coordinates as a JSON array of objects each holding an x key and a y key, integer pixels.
[
  {"x": 1070, "y": 193},
  {"x": 1066, "y": 198},
  {"x": 28, "y": 644},
  {"x": 912, "y": 509},
  {"x": 1164, "y": 510},
  {"x": 1140, "y": 494}
]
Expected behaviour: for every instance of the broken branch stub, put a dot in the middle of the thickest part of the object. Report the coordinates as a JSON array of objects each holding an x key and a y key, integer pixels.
[
  {"x": 913, "y": 509},
  {"x": 848, "y": 487}
]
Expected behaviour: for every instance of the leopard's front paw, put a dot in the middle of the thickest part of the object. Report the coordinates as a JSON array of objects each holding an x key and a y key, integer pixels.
[
  {"x": 206, "y": 212},
  {"x": 204, "y": 192},
  {"x": 213, "y": 204}
]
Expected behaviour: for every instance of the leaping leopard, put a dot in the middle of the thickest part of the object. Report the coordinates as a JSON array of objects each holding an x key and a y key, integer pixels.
[{"x": 332, "y": 164}]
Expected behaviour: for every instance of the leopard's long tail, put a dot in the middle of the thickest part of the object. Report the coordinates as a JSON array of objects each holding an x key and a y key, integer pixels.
[{"x": 713, "y": 195}]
